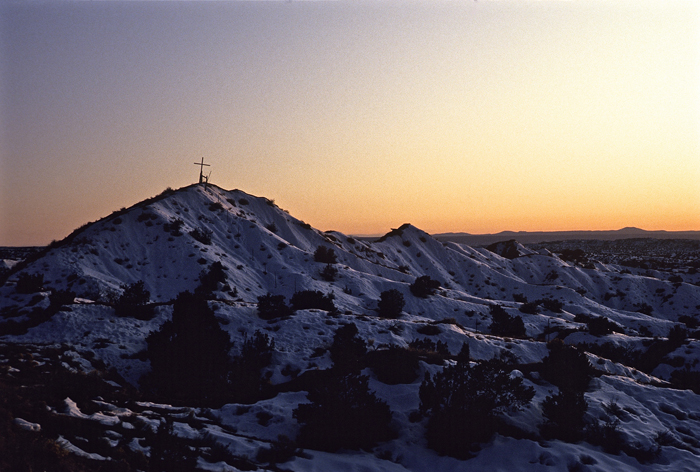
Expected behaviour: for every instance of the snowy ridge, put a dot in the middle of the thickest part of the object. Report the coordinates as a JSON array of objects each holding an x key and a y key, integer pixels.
[{"x": 167, "y": 241}]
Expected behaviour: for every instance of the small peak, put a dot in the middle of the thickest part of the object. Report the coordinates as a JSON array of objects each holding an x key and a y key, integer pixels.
[
  {"x": 509, "y": 249},
  {"x": 630, "y": 230},
  {"x": 394, "y": 232}
]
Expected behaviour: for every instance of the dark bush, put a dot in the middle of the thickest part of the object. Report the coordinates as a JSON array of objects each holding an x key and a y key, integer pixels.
[
  {"x": 272, "y": 306},
  {"x": 343, "y": 414},
  {"x": 394, "y": 365},
  {"x": 133, "y": 302},
  {"x": 429, "y": 351},
  {"x": 391, "y": 303},
  {"x": 29, "y": 283},
  {"x": 145, "y": 216},
  {"x": 329, "y": 273},
  {"x": 201, "y": 235},
  {"x": 429, "y": 330},
  {"x": 566, "y": 367},
  {"x": 169, "y": 453},
  {"x": 245, "y": 375},
  {"x": 189, "y": 355},
  {"x": 210, "y": 279},
  {"x": 463, "y": 403},
  {"x": 272, "y": 227},
  {"x": 424, "y": 286},
  {"x": 598, "y": 325},
  {"x": 58, "y": 298},
  {"x": 686, "y": 379},
  {"x": 173, "y": 227},
  {"x": 607, "y": 435},
  {"x": 325, "y": 255},
  {"x": 677, "y": 335},
  {"x": 530, "y": 307},
  {"x": 564, "y": 413},
  {"x": 505, "y": 325},
  {"x": 313, "y": 299},
  {"x": 645, "y": 309},
  {"x": 553, "y": 305},
  {"x": 348, "y": 349}
]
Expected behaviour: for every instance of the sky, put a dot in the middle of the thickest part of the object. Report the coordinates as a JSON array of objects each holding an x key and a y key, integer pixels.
[{"x": 355, "y": 116}]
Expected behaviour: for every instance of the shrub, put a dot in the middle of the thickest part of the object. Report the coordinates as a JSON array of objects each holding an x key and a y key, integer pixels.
[
  {"x": 169, "y": 452},
  {"x": 607, "y": 435},
  {"x": 313, "y": 299},
  {"x": 505, "y": 325},
  {"x": 210, "y": 279},
  {"x": 598, "y": 325},
  {"x": 645, "y": 309},
  {"x": 29, "y": 283},
  {"x": 329, "y": 273},
  {"x": 348, "y": 349},
  {"x": 343, "y": 414},
  {"x": 201, "y": 235},
  {"x": 529, "y": 307},
  {"x": 391, "y": 303},
  {"x": 58, "y": 298},
  {"x": 564, "y": 413},
  {"x": 145, "y": 216},
  {"x": 431, "y": 352},
  {"x": 133, "y": 302},
  {"x": 394, "y": 365},
  {"x": 463, "y": 396},
  {"x": 173, "y": 227},
  {"x": 429, "y": 330},
  {"x": 325, "y": 255},
  {"x": 272, "y": 306},
  {"x": 686, "y": 379},
  {"x": 245, "y": 374},
  {"x": 272, "y": 227},
  {"x": 424, "y": 286},
  {"x": 190, "y": 354},
  {"x": 553, "y": 305},
  {"x": 677, "y": 335},
  {"x": 566, "y": 367}
]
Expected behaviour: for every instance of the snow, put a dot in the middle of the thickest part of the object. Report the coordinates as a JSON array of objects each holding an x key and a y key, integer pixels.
[
  {"x": 27, "y": 425},
  {"x": 132, "y": 245},
  {"x": 70, "y": 447}
]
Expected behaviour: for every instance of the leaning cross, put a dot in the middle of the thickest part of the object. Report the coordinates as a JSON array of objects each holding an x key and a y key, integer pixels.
[{"x": 201, "y": 169}]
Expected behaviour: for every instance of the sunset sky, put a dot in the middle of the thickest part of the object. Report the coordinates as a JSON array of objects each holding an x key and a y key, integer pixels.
[{"x": 355, "y": 116}]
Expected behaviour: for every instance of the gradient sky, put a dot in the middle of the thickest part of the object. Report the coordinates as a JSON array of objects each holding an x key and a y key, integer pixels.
[{"x": 355, "y": 116}]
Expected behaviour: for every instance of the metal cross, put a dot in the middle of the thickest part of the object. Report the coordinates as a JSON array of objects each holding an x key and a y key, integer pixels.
[{"x": 201, "y": 169}]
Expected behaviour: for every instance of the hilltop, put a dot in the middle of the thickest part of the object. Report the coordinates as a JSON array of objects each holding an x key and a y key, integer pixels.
[{"x": 636, "y": 325}]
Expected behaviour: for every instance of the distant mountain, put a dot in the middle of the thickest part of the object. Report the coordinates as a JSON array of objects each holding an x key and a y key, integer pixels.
[
  {"x": 75, "y": 364},
  {"x": 526, "y": 237}
]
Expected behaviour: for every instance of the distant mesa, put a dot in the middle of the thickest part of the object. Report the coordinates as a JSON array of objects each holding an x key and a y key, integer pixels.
[{"x": 526, "y": 237}]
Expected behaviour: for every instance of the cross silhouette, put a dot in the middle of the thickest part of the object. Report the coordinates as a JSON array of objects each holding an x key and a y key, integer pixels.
[{"x": 201, "y": 169}]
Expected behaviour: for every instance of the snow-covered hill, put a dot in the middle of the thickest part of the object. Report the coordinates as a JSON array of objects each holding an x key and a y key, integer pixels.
[{"x": 169, "y": 240}]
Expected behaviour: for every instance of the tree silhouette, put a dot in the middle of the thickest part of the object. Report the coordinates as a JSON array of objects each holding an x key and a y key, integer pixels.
[
  {"x": 463, "y": 403},
  {"x": 391, "y": 303},
  {"x": 190, "y": 354}
]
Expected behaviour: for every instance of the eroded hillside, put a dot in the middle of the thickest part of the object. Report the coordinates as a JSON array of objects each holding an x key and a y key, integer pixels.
[{"x": 243, "y": 254}]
